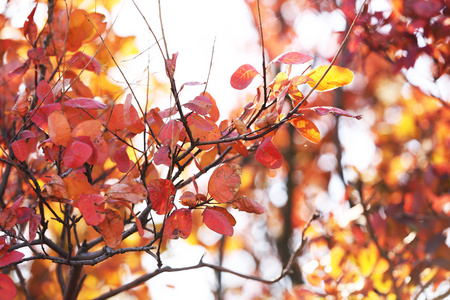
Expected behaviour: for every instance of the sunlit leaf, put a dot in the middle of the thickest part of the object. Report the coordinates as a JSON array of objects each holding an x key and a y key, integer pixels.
[
  {"x": 188, "y": 199},
  {"x": 11, "y": 257},
  {"x": 8, "y": 218},
  {"x": 214, "y": 113},
  {"x": 20, "y": 150},
  {"x": 59, "y": 129},
  {"x": 217, "y": 221},
  {"x": 170, "y": 134},
  {"x": 161, "y": 193},
  {"x": 307, "y": 128},
  {"x": 33, "y": 225},
  {"x": 243, "y": 76},
  {"x": 90, "y": 128},
  {"x": 111, "y": 228},
  {"x": 200, "y": 122},
  {"x": 162, "y": 157},
  {"x": 323, "y": 110},
  {"x": 81, "y": 60},
  {"x": 7, "y": 287},
  {"x": 92, "y": 206},
  {"x": 201, "y": 105},
  {"x": 122, "y": 160},
  {"x": 30, "y": 28},
  {"x": 178, "y": 224},
  {"x": 247, "y": 204},
  {"x": 116, "y": 121},
  {"x": 132, "y": 121},
  {"x": 268, "y": 155},
  {"x": 292, "y": 58},
  {"x": 77, "y": 154},
  {"x": 85, "y": 103},
  {"x": 133, "y": 192},
  {"x": 225, "y": 182},
  {"x": 336, "y": 77}
]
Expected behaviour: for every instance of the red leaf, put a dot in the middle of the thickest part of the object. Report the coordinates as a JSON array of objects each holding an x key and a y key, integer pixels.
[
  {"x": 111, "y": 228},
  {"x": 243, "y": 76},
  {"x": 217, "y": 221},
  {"x": 7, "y": 287},
  {"x": 20, "y": 150},
  {"x": 8, "y": 218},
  {"x": 323, "y": 110},
  {"x": 36, "y": 55},
  {"x": 23, "y": 215},
  {"x": 292, "y": 58},
  {"x": 116, "y": 121},
  {"x": 161, "y": 156},
  {"x": 188, "y": 199},
  {"x": 200, "y": 122},
  {"x": 171, "y": 65},
  {"x": 170, "y": 134},
  {"x": 44, "y": 92},
  {"x": 21, "y": 69},
  {"x": 133, "y": 192},
  {"x": 40, "y": 116},
  {"x": 92, "y": 206},
  {"x": 122, "y": 160},
  {"x": 201, "y": 105},
  {"x": 307, "y": 128},
  {"x": 214, "y": 113},
  {"x": 33, "y": 225},
  {"x": 85, "y": 103},
  {"x": 81, "y": 60},
  {"x": 77, "y": 154},
  {"x": 161, "y": 193},
  {"x": 30, "y": 28},
  {"x": 132, "y": 121},
  {"x": 248, "y": 205},
  {"x": 225, "y": 182},
  {"x": 178, "y": 224},
  {"x": 268, "y": 155},
  {"x": 10, "y": 258}
]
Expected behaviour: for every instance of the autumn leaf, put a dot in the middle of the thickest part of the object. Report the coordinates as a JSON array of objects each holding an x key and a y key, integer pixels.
[
  {"x": 247, "y": 204},
  {"x": 178, "y": 224},
  {"x": 122, "y": 160},
  {"x": 188, "y": 199},
  {"x": 268, "y": 155},
  {"x": 214, "y": 113},
  {"x": 56, "y": 189},
  {"x": 132, "y": 121},
  {"x": 161, "y": 193},
  {"x": 90, "y": 128},
  {"x": 11, "y": 257},
  {"x": 170, "y": 134},
  {"x": 85, "y": 103},
  {"x": 133, "y": 192},
  {"x": 111, "y": 228},
  {"x": 33, "y": 225},
  {"x": 77, "y": 154},
  {"x": 162, "y": 157},
  {"x": 225, "y": 182},
  {"x": 217, "y": 221},
  {"x": 323, "y": 110},
  {"x": 243, "y": 76},
  {"x": 7, "y": 287},
  {"x": 8, "y": 218},
  {"x": 201, "y": 105},
  {"x": 59, "y": 129},
  {"x": 30, "y": 28},
  {"x": 200, "y": 122},
  {"x": 292, "y": 58},
  {"x": 81, "y": 60},
  {"x": 19, "y": 148},
  {"x": 307, "y": 128},
  {"x": 336, "y": 77},
  {"x": 116, "y": 121},
  {"x": 92, "y": 206}
]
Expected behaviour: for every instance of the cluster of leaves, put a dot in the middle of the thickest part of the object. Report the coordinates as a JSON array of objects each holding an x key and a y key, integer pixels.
[{"x": 72, "y": 170}]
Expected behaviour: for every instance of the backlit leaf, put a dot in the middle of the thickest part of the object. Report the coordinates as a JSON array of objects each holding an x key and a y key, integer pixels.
[
  {"x": 292, "y": 58},
  {"x": 111, "y": 228},
  {"x": 307, "y": 128},
  {"x": 11, "y": 257},
  {"x": 200, "y": 122},
  {"x": 33, "y": 225},
  {"x": 217, "y": 221},
  {"x": 8, "y": 218},
  {"x": 122, "y": 160},
  {"x": 77, "y": 154},
  {"x": 161, "y": 193},
  {"x": 214, "y": 113},
  {"x": 19, "y": 148},
  {"x": 7, "y": 287},
  {"x": 90, "y": 128},
  {"x": 132, "y": 121},
  {"x": 30, "y": 28},
  {"x": 205, "y": 135},
  {"x": 161, "y": 156},
  {"x": 92, "y": 206},
  {"x": 268, "y": 155},
  {"x": 81, "y": 60},
  {"x": 243, "y": 76},
  {"x": 59, "y": 129},
  {"x": 133, "y": 192},
  {"x": 201, "y": 105},
  {"x": 41, "y": 116},
  {"x": 85, "y": 103},
  {"x": 170, "y": 134},
  {"x": 247, "y": 204},
  {"x": 116, "y": 118},
  {"x": 336, "y": 77},
  {"x": 225, "y": 182},
  {"x": 323, "y": 110},
  {"x": 178, "y": 224}
]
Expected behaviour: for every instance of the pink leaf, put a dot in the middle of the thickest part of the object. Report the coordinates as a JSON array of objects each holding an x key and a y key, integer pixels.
[
  {"x": 92, "y": 207},
  {"x": 11, "y": 257},
  {"x": 20, "y": 149},
  {"x": 217, "y": 221},
  {"x": 77, "y": 154},
  {"x": 323, "y": 110},
  {"x": 201, "y": 105},
  {"x": 122, "y": 160},
  {"x": 81, "y": 60},
  {"x": 161, "y": 156},
  {"x": 85, "y": 103},
  {"x": 7, "y": 287},
  {"x": 243, "y": 76},
  {"x": 292, "y": 58},
  {"x": 33, "y": 225}
]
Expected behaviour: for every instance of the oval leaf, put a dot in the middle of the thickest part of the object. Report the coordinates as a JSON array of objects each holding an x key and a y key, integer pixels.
[
  {"x": 217, "y": 221},
  {"x": 111, "y": 228},
  {"x": 122, "y": 160},
  {"x": 268, "y": 155},
  {"x": 85, "y": 103},
  {"x": 201, "y": 105},
  {"x": 225, "y": 182},
  {"x": 11, "y": 257},
  {"x": 7, "y": 287},
  {"x": 247, "y": 204},
  {"x": 77, "y": 154},
  {"x": 323, "y": 110},
  {"x": 59, "y": 129},
  {"x": 178, "y": 224},
  {"x": 292, "y": 58},
  {"x": 20, "y": 149},
  {"x": 336, "y": 77},
  {"x": 307, "y": 128},
  {"x": 161, "y": 193},
  {"x": 243, "y": 76},
  {"x": 92, "y": 207}
]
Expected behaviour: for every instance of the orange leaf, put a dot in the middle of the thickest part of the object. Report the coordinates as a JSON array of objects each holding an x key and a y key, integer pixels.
[
  {"x": 247, "y": 204},
  {"x": 76, "y": 184},
  {"x": 178, "y": 224},
  {"x": 134, "y": 192},
  {"x": 307, "y": 128},
  {"x": 292, "y": 58},
  {"x": 243, "y": 76},
  {"x": 59, "y": 129},
  {"x": 225, "y": 182},
  {"x": 7, "y": 287},
  {"x": 111, "y": 228},
  {"x": 8, "y": 218},
  {"x": 92, "y": 206},
  {"x": 116, "y": 121},
  {"x": 132, "y": 121},
  {"x": 188, "y": 199},
  {"x": 90, "y": 128},
  {"x": 336, "y": 77},
  {"x": 214, "y": 113},
  {"x": 217, "y": 221},
  {"x": 268, "y": 155},
  {"x": 204, "y": 135},
  {"x": 77, "y": 154},
  {"x": 161, "y": 193},
  {"x": 201, "y": 105}
]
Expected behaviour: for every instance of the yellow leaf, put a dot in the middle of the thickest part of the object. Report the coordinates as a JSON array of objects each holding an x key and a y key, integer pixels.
[
  {"x": 336, "y": 77},
  {"x": 307, "y": 128}
]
